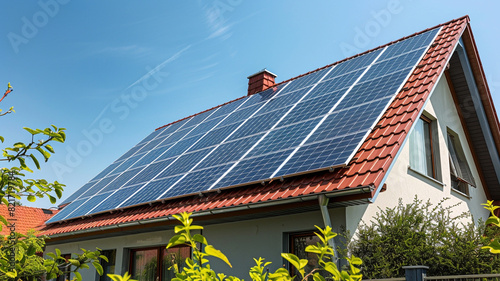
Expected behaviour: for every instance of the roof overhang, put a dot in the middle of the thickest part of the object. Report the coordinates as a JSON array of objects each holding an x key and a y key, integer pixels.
[
  {"x": 285, "y": 206},
  {"x": 477, "y": 112}
]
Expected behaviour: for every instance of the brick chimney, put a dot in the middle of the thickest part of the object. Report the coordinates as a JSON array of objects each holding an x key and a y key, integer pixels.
[{"x": 260, "y": 81}]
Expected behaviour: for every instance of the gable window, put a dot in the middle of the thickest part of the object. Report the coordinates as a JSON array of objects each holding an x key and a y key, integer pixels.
[
  {"x": 422, "y": 148},
  {"x": 460, "y": 173},
  {"x": 107, "y": 266},
  {"x": 151, "y": 263}
]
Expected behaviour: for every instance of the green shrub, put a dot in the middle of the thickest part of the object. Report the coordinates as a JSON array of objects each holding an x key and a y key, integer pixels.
[{"x": 422, "y": 234}]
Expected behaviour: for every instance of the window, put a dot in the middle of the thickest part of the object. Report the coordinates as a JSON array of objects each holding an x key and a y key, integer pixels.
[
  {"x": 422, "y": 148},
  {"x": 109, "y": 266},
  {"x": 149, "y": 264},
  {"x": 460, "y": 173},
  {"x": 65, "y": 268},
  {"x": 298, "y": 244}
]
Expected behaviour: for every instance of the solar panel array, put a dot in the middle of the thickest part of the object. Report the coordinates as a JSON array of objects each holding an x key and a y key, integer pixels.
[{"x": 311, "y": 123}]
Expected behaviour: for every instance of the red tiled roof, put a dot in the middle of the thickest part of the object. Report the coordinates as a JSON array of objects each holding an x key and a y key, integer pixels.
[
  {"x": 367, "y": 169},
  {"x": 25, "y": 218}
]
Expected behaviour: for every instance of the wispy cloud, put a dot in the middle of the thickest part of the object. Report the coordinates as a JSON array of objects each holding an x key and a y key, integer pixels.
[
  {"x": 206, "y": 67},
  {"x": 218, "y": 25},
  {"x": 130, "y": 50},
  {"x": 145, "y": 76},
  {"x": 160, "y": 66}
]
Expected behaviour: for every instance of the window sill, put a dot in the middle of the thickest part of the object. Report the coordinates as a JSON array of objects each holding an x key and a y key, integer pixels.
[
  {"x": 425, "y": 176},
  {"x": 460, "y": 193}
]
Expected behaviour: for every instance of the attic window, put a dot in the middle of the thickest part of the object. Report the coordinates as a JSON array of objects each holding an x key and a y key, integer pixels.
[{"x": 460, "y": 173}]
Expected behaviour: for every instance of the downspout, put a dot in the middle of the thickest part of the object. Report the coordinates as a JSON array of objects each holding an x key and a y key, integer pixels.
[{"x": 323, "y": 205}]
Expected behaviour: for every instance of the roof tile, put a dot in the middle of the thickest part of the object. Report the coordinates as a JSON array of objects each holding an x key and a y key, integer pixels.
[{"x": 26, "y": 218}]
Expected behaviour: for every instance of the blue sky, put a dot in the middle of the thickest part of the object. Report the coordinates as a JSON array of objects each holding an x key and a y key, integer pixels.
[{"x": 113, "y": 71}]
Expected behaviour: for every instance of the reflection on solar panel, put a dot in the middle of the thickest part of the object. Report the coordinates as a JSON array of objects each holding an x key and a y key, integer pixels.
[{"x": 314, "y": 122}]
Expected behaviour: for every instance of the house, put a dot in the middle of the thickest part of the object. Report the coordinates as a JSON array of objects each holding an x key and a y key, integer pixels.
[{"x": 412, "y": 117}]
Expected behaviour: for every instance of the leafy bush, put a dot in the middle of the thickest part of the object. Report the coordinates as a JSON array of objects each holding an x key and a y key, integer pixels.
[
  {"x": 199, "y": 268},
  {"x": 492, "y": 232},
  {"x": 422, "y": 234}
]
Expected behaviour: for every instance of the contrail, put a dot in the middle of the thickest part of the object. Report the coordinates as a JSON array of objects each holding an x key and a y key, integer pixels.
[
  {"x": 159, "y": 67},
  {"x": 151, "y": 72}
]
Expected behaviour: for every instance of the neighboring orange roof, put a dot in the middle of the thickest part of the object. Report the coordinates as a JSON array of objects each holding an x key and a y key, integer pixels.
[
  {"x": 25, "y": 218},
  {"x": 368, "y": 167}
]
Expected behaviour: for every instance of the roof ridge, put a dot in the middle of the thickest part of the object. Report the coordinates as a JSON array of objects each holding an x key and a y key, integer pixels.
[{"x": 326, "y": 66}]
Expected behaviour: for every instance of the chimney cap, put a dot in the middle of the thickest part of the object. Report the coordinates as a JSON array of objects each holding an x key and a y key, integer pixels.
[{"x": 261, "y": 71}]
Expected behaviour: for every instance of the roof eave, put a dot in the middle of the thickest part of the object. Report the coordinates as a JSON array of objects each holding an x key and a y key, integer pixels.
[{"x": 351, "y": 196}]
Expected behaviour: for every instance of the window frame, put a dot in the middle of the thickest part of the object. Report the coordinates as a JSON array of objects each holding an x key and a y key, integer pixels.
[
  {"x": 456, "y": 157},
  {"x": 132, "y": 254},
  {"x": 159, "y": 258},
  {"x": 430, "y": 129},
  {"x": 431, "y": 170},
  {"x": 291, "y": 247}
]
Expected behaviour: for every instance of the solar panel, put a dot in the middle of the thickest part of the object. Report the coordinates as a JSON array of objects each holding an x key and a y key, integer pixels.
[{"x": 313, "y": 122}]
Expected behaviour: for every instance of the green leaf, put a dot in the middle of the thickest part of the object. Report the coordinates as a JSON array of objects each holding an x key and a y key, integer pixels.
[
  {"x": 318, "y": 277},
  {"x": 49, "y": 148},
  {"x": 5, "y": 201},
  {"x": 313, "y": 249},
  {"x": 74, "y": 262},
  {"x": 11, "y": 274},
  {"x": 211, "y": 251},
  {"x": 63, "y": 136},
  {"x": 31, "y": 131},
  {"x": 78, "y": 276},
  {"x": 493, "y": 220},
  {"x": 494, "y": 247},
  {"x": 299, "y": 264},
  {"x": 58, "y": 192},
  {"x": 200, "y": 239},
  {"x": 176, "y": 240},
  {"x": 31, "y": 250},
  {"x": 2, "y": 139},
  {"x": 3, "y": 220},
  {"x": 45, "y": 154},
  {"x": 98, "y": 267},
  {"x": 35, "y": 161},
  {"x": 52, "y": 199}
]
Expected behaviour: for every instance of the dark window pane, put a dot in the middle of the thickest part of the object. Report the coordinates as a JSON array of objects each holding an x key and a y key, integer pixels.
[
  {"x": 299, "y": 242},
  {"x": 428, "y": 149},
  {"x": 108, "y": 266},
  {"x": 145, "y": 265},
  {"x": 174, "y": 257}
]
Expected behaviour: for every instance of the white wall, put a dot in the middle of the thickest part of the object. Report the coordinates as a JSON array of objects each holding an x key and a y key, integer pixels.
[
  {"x": 239, "y": 241},
  {"x": 403, "y": 183}
]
